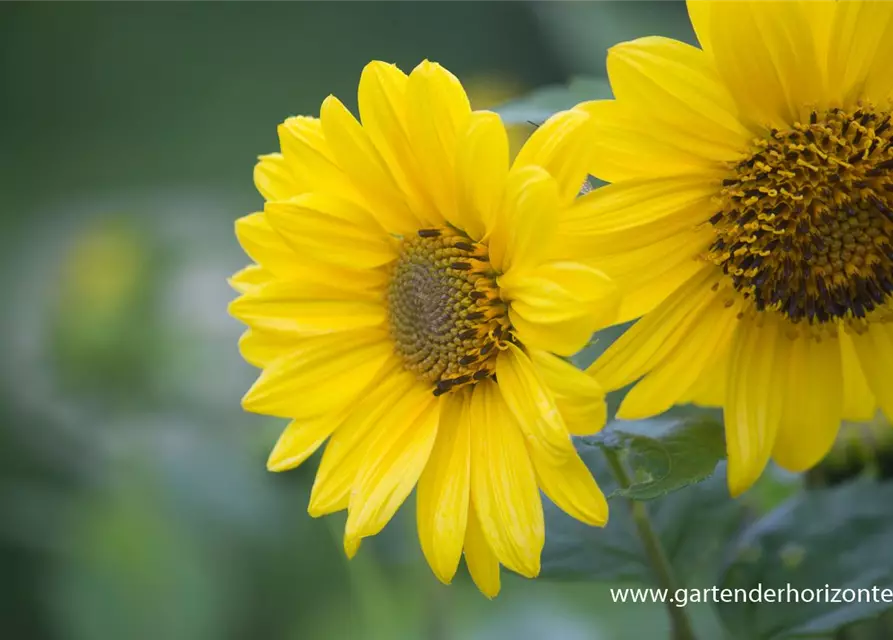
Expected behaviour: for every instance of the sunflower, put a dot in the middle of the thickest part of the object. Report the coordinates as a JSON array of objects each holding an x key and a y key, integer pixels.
[
  {"x": 749, "y": 223},
  {"x": 406, "y": 304}
]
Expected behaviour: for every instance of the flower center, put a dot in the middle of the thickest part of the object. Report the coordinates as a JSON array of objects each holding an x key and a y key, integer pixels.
[
  {"x": 445, "y": 314},
  {"x": 805, "y": 226}
]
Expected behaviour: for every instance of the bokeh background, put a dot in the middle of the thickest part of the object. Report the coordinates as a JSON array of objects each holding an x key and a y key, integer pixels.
[{"x": 134, "y": 500}]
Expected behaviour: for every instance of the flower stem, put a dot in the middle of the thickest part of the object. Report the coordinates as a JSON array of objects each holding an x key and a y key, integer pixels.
[{"x": 660, "y": 564}]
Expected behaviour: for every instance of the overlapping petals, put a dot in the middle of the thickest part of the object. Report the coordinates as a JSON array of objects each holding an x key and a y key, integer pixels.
[
  {"x": 341, "y": 196},
  {"x": 683, "y": 117}
]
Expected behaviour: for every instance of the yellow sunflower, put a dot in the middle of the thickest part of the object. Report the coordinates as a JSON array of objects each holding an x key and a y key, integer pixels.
[
  {"x": 407, "y": 301},
  {"x": 749, "y": 220}
]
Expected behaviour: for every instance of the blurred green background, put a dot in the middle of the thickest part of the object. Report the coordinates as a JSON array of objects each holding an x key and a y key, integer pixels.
[{"x": 134, "y": 500}]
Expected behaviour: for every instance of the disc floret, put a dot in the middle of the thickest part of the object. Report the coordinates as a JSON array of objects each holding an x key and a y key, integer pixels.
[
  {"x": 805, "y": 224},
  {"x": 445, "y": 314}
]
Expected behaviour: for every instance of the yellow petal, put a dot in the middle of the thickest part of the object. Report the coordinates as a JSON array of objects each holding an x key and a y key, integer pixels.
[
  {"x": 699, "y": 14},
  {"x": 437, "y": 112},
  {"x": 259, "y": 347},
  {"x": 668, "y": 382},
  {"x": 860, "y": 51},
  {"x": 754, "y": 406},
  {"x": 859, "y": 404},
  {"x": 327, "y": 299},
  {"x": 300, "y": 440},
  {"x": 879, "y": 86},
  {"x": 325, "y": 373},
  {"x": 675, "y": 86},
  {"x": 307, "y": 308},
  {"x": 482, "y": 563},
  {"x": 813, "y": 402},
  {"x": 264, "y": 245},
  {"x": 250, "y": 278},
  {"x": 646, "y": 276},
  {"x": 565, "y": 337},
  {"x": 766, "y": 55},
  {"x": 317, "y": 261},
  {"x": 710, "y": 388},
  {"x": 650, "y": 340},
  {"x": 351, "y": 546},
  {"x": 310, "y": 158},
  {"x": 347, "y": 448},
  {"x": 634, "y": 214},
  {"x": 481, "y": 168},
  {"x": 821, "y": 17},
  {"x": 550, "y": 291},
  {"x": 527, "y": 396},
  {"x": 328, "y": 228},
  {"x": 791, "y": 31},
  {"x": 392, "y": 466},
  {"x": 875, "y": 350},
  {"x": 362, "y": 163},
  {"x": 580, "y": 399},
  {"x": 443, "y": 491},
  {"x": 561, "y": 147},
  {"x": 526, "y": 223},
  {"x": 503, "y": 485},
  {"x": 274, "y": 178},
  {"x": 571, "y": 487},
  {"x": 382, "y": 102},
  {"x": 622, "y": 149},
  {"x": 558, "y": 305},
  {"x": 646, "y": 296},
  {"x": 650, "y": 261}
]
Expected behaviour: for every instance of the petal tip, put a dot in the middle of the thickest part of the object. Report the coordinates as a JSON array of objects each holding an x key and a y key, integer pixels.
[
  {"x": 351, "y": 546},
  {"x": 532, "y": 570},
  {"x": 374, "y": 65},
  {"x": 490, "y": 594},
  {"x": 277, "y": 466},
  {"x": 740, "y": 483},
  {"x": 445, "y": 577},
  {"x": 424, "y": 67},
  {"x": 330, "y": 104},
  {"x": 628, "y": 412},
  {"x": 279, "y": 461},
  {"x": 253, "y": 401},
  {"x": 314, "y": 508}
]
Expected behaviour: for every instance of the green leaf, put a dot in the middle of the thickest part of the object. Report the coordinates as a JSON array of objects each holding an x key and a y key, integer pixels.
[
  {"x": 692, "y": 524},
  {"x": 665, "y": 454},
  {"x": 537, "y": 106},
  {"x": 838, "y": 537}
]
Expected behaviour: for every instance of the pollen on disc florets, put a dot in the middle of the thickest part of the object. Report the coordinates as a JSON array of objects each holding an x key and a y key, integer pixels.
[
  {"x": 805, "y": 225},
  {"x": 445, "y": 314}
]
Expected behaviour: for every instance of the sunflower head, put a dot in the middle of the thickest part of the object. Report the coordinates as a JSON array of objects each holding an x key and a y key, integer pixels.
[
  {"x": 408, "y": 297},
  {"x": 749, "y": 223},
  {"x": 445, "y": 313},
  {"x": 804, "y": 226}
]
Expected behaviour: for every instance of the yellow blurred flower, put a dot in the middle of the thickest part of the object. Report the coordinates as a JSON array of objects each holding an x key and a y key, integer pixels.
[
  {"x": 406, "y": 302},
  {"x": 104, "y": 266},
  {"x": 750, "y": 220}
]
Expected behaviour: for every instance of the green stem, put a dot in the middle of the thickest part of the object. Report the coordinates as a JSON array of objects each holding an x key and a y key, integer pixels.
[{"x": 663, "y": 570}]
